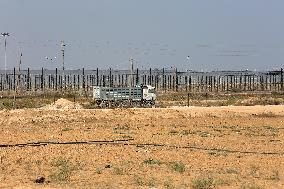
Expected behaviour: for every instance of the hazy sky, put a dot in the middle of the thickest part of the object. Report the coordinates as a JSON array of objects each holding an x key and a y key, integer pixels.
[{"x": 216, "y": 34}]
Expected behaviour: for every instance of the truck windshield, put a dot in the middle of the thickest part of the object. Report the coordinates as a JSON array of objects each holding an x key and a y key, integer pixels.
[{"x": 152, "y": 91}]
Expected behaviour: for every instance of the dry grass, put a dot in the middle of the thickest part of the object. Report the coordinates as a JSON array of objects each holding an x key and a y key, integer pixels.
[
  {"x": 163, "y": 99},
  {"x": 171, "y": 148}
]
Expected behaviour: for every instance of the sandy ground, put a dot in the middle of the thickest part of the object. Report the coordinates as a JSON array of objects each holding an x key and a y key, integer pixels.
[{"x": 178, "y": 147}]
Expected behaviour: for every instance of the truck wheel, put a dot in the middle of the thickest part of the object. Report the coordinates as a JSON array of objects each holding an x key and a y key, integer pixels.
[
  {"x": 136, "y": 104},
  {"x": 148, "y": 104},
  {"x": 120, "y": 104},
  {"x": 103, "y": 104},
  {"x": 115, "y": 104}
]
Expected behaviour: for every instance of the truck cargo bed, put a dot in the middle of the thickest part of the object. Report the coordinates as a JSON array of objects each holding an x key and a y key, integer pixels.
[{"x": 108, "y": 93}]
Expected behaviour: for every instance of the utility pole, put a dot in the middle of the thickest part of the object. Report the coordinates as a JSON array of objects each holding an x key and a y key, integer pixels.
[
  {"x": 5, "y": 35},
  {"x": 63, "y": 53},
  {"x": 20, "y": 62},
  {"x": 281, "y": 78},
  {"x": 132, "y": 69},
  {"x": 19, "y": 71},
  {"x": 131, "y": 77}
]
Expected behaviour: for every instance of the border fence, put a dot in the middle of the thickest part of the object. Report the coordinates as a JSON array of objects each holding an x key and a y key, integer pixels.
[{"x": 41, "y": 81}]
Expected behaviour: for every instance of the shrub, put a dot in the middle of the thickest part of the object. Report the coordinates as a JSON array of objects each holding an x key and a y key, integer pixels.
[
  {"x": 203, "y": 183},
  {"x": 275, "y": 175},
  {"x": 152, "y": 161},
  {"x": 67, "y": 129},
  {"x": 98, "y": 171},
  {"x": 178, "y": 167},
  {"x": 63, "y": 169},
  {"x": 117, "y": 171}
]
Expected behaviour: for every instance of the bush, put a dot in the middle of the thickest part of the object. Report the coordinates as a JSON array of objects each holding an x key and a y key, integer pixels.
[
  {"x": 203, "y": 183},
  {"x": 63, "y": 169},
  {"x": 152, "y": 161},
  {"x": 178, "y": 167}
]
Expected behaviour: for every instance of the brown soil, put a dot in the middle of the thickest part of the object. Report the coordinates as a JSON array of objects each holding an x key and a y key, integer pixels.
[{"x": 189, "y": 147}]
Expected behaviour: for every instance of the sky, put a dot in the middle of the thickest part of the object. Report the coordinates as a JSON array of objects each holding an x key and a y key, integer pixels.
[{"x": 215, "y": 34}]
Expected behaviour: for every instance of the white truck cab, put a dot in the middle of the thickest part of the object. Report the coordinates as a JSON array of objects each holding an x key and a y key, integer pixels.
[{"x": 149, "y": 93}]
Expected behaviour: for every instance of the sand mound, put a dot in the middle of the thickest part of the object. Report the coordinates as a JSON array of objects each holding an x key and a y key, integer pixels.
[{"x": 63, "y": 104}]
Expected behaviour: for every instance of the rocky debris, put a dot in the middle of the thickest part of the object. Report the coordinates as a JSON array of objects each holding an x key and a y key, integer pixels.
[{"x": 40, "y": 179}]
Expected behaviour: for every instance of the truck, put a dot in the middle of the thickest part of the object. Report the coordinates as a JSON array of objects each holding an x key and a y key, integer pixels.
[{"x": 123, "y": 97}]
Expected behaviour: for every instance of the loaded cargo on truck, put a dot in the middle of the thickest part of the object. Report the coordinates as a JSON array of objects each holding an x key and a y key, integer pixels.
[{"x": 138, "y": 96}]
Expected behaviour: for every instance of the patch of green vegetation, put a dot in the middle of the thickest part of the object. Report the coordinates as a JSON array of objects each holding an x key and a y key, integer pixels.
[
  {"x": 98, "y": 171},
  {"x": 185, "y": 132},
  {"x": 173, "y": 132},
  {"x": 151, "y": 182},
  {"x": 128, "y": 162},
  {"x": 177, "y": 167},
  {"x": 152, "y": 162},
  {"x": 254, "y": 171},
  {"x": 218, "y": 153},
  {"x": 91, "y": 104},
  {"x": 250, "y": 186},
  {"x": 38, "y": 99},
  {"x": 203, "y": 183},
  {"x": 23, "y": 102},
  {"x": 126, "y": 137},
  {"x": 168, "y": 184},
  {"x": 274, "y": 175},
  {"x": 118, "y": 171},
  {"x": 233, "y": 97},
  {"x": 138, "y": 180},
  {"x": 38, "y": 162},
  {"x": 232, "y": 171},
  {"x": 203, "y": 133},
  {"x": 121, "y": 127},
  {"x": 67, "y": 129},
  {"x": 271, "y": 128},
  {"x": 64, "y": 168},
  {"x": 232, "y": 100},
  {"x": 266, "y": 114}
]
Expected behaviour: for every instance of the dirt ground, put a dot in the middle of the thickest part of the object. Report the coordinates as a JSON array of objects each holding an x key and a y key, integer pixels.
[{"x": 179, "y": 147}]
